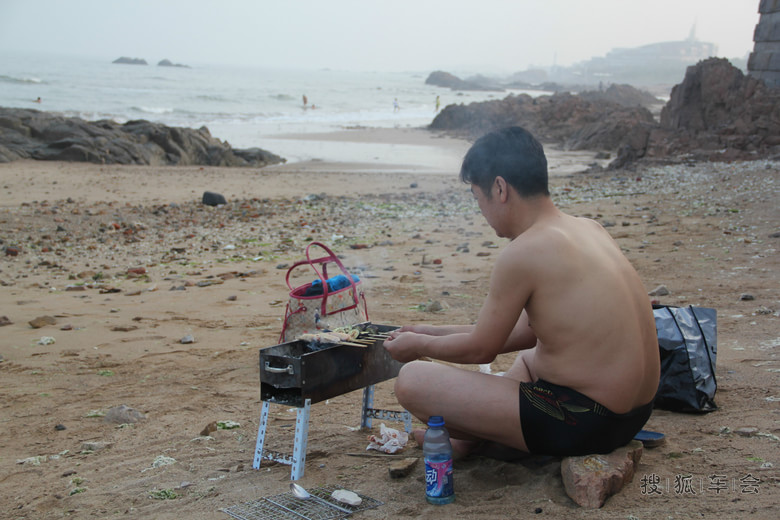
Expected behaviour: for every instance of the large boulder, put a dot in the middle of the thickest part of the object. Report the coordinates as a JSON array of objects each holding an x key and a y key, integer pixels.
[
  {"x": 571, "y": 121},
  {"x": 40, "y": 135},
  {"x": 716, "y": 113},
  {"x": 124, "y": 60},
  {"x": 445, "y": 79}
]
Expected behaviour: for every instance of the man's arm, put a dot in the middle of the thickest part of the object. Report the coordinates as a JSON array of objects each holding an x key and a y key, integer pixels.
[{"x": 495, "y": 328}]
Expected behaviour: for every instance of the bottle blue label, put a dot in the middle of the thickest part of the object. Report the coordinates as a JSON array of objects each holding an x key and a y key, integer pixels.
[{"x": 438, "y": 478}]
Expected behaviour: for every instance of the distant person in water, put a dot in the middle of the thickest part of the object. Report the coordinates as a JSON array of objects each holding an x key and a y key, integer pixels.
[
  {"x": 305, "y": 101},
  {"x": 38, "y": 100},
  {"x": 564, "y": 296},
  {"x": 396, "y": 108},
  {"x": 438, "y": 103}
]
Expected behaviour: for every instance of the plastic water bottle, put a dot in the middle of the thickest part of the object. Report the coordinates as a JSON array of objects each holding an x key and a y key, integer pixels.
[{"x": 437, "y": 452}]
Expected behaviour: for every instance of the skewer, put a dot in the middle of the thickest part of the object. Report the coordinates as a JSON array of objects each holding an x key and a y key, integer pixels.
[
  {"x": 377, "y": 336},
  {"x": 350, "y": 344}
]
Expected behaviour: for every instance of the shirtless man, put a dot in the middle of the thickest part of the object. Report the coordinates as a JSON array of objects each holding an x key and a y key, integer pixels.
[{"x": 564, "y": 296}]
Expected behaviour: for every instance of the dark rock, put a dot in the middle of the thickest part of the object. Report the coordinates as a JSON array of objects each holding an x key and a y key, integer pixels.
[
  {"x": 124, "y": 60},
  {"x": 445, "y": 79},
  {"x": 169, "y": 63},
  {"x": 563, "y": 118},
  {"x": 32, "y": 134},
  {"x": 42, "y": 321},
  {"x": 624, "y": 95},
  {"x": 5, "y": 321},
  {"x": 716, "y": 113},
  {"x": 213, "y": 199}
]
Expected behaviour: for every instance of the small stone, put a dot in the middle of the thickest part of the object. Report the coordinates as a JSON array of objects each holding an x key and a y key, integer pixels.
[
  {"x": 123, "y": 414},
  {"x": 95, "y": 445},
  {"x": 211, "y": 198},
  {"x": 186, "y": 340},
  {"x": 401, "y": 468},
  {"x": 232, "y": 298},
  {"x": 209, "y": 429},
  {"x": 60, "y": 427},
  {"x": 5, "y": 321},
  {"x": 42, "y": 321},
  {"x": 661, "y": 290},
  {"x": 434, "y": 306},
  {"x": 746, "y": 432},
  {"x": 590, "y": 479},
  {"x": 746, "y": 297},
  {"x": 47, "y": 340}
]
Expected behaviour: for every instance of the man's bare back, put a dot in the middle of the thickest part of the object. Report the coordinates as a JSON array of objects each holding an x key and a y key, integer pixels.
[
  {"x": 564, "y": 296},
  {"x": 589, "y": 311}
]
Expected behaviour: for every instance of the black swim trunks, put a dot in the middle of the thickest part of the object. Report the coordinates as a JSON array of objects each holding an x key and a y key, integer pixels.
[{"x": 559, "y": 421}]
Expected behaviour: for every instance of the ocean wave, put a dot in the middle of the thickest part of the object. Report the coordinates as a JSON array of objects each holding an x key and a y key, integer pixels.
[
  {"x": 11, "y": 79},
  {"x": 211, "y": 97},
  {"x": 152, "y": 110}
]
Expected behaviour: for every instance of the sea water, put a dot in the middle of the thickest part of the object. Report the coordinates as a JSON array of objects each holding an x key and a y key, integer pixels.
[{"x": 245, "y": 106}]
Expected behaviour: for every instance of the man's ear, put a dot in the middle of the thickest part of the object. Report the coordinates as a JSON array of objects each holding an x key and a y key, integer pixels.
[{"x": 502, "y": 188}]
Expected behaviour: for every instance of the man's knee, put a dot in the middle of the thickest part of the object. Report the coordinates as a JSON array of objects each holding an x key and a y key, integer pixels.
[{"x": 407, "y": 382}]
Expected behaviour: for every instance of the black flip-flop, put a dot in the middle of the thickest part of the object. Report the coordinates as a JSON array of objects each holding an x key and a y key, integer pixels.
[{"x": 650, "y": 439}]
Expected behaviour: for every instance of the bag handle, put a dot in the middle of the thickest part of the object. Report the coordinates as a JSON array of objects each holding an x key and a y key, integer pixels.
[{"x": 323, "y": 276}]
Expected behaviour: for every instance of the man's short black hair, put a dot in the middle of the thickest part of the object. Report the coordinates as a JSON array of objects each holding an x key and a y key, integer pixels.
[{"x": 512, "y": 153}]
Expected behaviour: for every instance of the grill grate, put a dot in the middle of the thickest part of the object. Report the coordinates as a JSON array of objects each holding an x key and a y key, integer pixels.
[{"x": 288, "y": 506}]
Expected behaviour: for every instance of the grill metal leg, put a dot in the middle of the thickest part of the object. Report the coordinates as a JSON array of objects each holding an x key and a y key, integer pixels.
[
  {"x": 261, "y": 435},
  {"x": 301, "y": 440},
  {"x": 369, "y": 412},
  {"x": 368, "y": 404},
  {"x": 298, "y": 459}
]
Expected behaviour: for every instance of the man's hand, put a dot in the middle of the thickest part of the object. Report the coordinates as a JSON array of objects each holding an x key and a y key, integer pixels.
[{"x": 403, "y": 346}]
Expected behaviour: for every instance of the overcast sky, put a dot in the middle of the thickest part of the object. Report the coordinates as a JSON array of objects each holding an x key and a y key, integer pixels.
[{"x": 395, "y": 35}]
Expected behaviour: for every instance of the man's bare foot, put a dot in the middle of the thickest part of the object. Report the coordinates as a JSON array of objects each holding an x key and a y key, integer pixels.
[
  {"x": 460, "y": 447},
  {"x": 492, "y": 450}
]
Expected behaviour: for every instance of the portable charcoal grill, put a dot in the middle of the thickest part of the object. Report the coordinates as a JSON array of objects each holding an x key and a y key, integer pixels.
[
  {"x": 293, "y": 372},
  {"x": 300, "y": 373}
]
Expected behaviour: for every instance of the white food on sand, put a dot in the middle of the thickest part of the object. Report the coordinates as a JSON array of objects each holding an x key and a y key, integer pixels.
[{"x": 346, "y": 497}]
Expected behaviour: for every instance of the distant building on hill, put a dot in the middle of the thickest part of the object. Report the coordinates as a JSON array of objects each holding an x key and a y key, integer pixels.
[{"x": 655, "y": 63}]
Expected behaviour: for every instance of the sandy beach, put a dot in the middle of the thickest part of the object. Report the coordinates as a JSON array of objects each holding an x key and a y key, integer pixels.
[{"x": 128, "y": 263}]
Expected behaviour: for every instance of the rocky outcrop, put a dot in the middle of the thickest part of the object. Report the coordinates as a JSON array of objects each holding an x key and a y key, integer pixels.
[
  {"x": 625, "y": 95},
  {"x": 716, "y": 113},
  {"x": 169, "y": 63},
  {"x": 32, "y": 134},
  {"x": 445, "y": 79},
  {"x": 124, "y": 60},
  {"x": 573, "y": 121}
]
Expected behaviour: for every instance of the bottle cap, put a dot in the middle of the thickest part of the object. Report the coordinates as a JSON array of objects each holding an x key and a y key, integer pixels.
[{"x": 436, "y": 420}]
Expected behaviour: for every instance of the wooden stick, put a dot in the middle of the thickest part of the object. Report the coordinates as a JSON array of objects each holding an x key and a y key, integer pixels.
[
  {"x": 380, "y": 455},
  {"x": 350, "y": 344}
]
